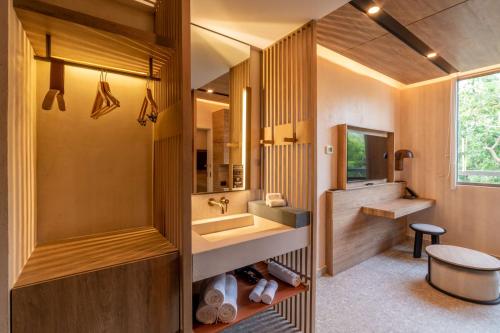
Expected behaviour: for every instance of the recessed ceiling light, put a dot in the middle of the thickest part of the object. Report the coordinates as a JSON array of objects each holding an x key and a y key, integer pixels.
[
  {"x": 373, "y": 10},
  {"x": 210, "y": 91},
  {"x": 431, "y": 55}
]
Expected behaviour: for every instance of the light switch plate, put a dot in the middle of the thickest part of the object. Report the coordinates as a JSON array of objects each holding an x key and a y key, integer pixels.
[{"x": 328, "y": 149}]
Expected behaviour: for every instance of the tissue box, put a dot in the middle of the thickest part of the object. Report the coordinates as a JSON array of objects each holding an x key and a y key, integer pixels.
[{"x": 292, "y": 217}]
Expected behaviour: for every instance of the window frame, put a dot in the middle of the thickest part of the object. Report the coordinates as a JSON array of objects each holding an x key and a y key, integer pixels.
[{"x": 456, "y": 126}]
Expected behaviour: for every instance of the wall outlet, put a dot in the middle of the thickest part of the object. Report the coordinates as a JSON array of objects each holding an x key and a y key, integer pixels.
[{"x": 328, "y": 149}]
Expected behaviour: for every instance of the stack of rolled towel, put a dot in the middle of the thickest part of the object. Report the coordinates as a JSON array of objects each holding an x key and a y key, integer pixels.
[
  {"x": 264, "y": 291},
  {"x": 218, "y": 300}
]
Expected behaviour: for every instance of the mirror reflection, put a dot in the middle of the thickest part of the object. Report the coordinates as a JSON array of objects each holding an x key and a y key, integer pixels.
[{"x": 220, "y": 82}]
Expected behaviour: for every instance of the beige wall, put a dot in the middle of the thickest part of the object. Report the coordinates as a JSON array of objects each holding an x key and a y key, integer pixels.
[
  {"x": 469, "y": 213},
  {"x": 93, "y": 175},
  {"x": 346, "y": 97},
  {"x": 204, "y": 110},
  {"x": 237, "y": 204}
]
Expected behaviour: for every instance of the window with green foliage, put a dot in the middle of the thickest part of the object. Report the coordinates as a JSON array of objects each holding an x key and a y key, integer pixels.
[{"x": 478, "y": 136}]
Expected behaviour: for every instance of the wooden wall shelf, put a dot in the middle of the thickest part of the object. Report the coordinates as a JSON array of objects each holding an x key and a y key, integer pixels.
[
  {"x": 246, "y": 308},
  {"x": 397, "y": 208},
  {"x": 91, "y": 253},
  {"x": 89, "y": 40}
]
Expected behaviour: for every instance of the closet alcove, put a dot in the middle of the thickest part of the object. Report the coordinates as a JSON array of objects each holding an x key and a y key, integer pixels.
[{"x": 108, "y": 209}]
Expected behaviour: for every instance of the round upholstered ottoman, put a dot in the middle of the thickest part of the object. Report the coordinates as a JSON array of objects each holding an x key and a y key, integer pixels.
[{"x": 464, "y": 273}]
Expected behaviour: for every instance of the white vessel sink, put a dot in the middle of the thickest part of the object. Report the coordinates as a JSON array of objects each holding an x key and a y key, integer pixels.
[{"x": 228, "y": 242}]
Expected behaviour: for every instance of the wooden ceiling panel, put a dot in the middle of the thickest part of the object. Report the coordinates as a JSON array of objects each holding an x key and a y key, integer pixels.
[
  {"x": 346, "y": 28},
  {"x": 395, "y": 59},
  {"x": 466, "y": 35},
  {"x": 407, "y": 12}
]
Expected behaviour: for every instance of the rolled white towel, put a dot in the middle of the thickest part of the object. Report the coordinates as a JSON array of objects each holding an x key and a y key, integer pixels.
[
  {"x": 206, "y": 314},
  {"x": 269, "y": 291},
  {"x": 275, "y": 200},
  {"x": 255, "y": 295},
  {"x": 229, "y": 309},
  {"x": 214, "y": 292},
  {"x": 283, "y": 273}
]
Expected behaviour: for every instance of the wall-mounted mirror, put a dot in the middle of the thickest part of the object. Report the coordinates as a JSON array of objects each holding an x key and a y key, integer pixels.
[{"x": 220, "y": 79}]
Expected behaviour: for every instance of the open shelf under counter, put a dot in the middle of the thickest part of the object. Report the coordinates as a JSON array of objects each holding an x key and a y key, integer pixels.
[
  {"x": 90, "y": 253},
  {"x": 247, "y": 308},
  {"x": 397, "y": 208},
  {"x": 88, "y": 40}
]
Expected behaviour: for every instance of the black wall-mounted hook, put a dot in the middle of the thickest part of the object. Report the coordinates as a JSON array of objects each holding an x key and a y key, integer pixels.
[
  {"x": 48, "y": 46},
  {"x": 150, "y": 67}
]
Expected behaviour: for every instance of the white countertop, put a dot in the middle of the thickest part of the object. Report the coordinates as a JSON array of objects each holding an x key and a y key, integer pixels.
[
  {"x": 261, "y": 228},
  {"x": 223, "y": 251}
]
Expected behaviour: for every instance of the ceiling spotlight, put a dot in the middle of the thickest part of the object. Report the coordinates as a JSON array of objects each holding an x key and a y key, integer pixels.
[
  {"x": 431, "y": 55},
  {"x": 210, "y": 91},
  {"x": 373, "y": 10}
]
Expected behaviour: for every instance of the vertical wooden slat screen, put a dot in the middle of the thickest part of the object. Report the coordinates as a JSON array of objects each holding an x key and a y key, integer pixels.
[
  {"x": 239, "y": 79},
  {"x": 289, "y": 110},
  {"x": 173, "y": 137}
]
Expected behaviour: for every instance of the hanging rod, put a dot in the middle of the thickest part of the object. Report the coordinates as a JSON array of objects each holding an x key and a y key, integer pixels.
[
  {"x": 49, "y": 58},
  {"x": 99, "y": 68}
]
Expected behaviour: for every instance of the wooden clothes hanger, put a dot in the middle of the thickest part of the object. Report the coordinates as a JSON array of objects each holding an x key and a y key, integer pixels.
[
  {"x": 104, "y": 102},
  {"x": 148, "y": 101},
  {"x": 56, "y": 90}
]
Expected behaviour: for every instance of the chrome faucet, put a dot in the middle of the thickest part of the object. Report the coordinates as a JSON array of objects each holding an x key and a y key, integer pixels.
[{"x": 222, "y": 203}]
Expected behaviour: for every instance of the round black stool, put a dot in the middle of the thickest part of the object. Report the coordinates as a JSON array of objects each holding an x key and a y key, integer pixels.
[{"x": 428, "y": 229}]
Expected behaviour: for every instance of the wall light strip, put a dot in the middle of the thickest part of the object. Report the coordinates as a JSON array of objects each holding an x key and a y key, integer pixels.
[
  {"x": 358, "y": 68},
  {"x": 459, "y": 75},
  {"x": 203, "y": 100}
]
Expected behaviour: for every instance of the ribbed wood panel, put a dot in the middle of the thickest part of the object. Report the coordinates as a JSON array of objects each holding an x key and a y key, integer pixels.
[
  {"x": 168, "y": 24},
  {"x": 289, "y": 108},
  {"x": 21, "y": 149},
  {"x": 173, "y": 144},
  {"x": 167, "y": 186},
  {"x": 239, "y": 80}
]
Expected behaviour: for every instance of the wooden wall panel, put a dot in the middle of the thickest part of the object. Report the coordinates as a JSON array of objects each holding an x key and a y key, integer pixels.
[
  {"x": 470, "y": 214},
  {"x": 173, "y": 145},
  {"x": 346, "y": 97},
  {"x": 141, "y": 296},
  {"x": 351, "y": 236},
  {"x": 82, "y": 162},
  {"x": 21, "y": 148},
  {"x": 4, "y": 189},
  {"x": 289, "y": 103}
]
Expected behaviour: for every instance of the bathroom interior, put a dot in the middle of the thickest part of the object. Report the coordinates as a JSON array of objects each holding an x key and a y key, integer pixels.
[{"x": 216, "y": 166}]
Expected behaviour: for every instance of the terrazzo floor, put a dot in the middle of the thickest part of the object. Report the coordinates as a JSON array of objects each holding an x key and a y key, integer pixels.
[{"x": 388, "y": 293}]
